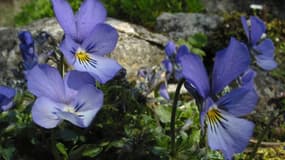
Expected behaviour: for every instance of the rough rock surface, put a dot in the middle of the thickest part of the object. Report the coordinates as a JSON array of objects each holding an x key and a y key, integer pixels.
[
  {"x": 137, "y": 47},
  {"x": 9, "y": 57},
  {"x": 183, "y": 25}
]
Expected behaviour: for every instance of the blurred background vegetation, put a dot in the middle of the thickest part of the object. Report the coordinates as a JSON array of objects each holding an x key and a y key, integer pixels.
[
  {"x": 138, "y": 11},
  {"x": 153, "y": 123}
]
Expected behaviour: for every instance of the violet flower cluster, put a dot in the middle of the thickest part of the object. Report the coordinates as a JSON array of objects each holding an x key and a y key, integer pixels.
[
  {"x": 74, "y": 97},
  {"x": 262, "y": 49},
  {"x": 225, "y": 131},
  {"x": 218, "y": 110},
  {"x": 87, "y": 38},
  {"x": 171, "y": 66}
]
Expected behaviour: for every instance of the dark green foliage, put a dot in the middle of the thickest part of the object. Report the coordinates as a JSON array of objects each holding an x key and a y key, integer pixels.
[
  {"x": 137, "y": 11},
  {"x": 276, "y": 32},
  {"x": 195, "y": 43},
  {"x": 39, "y": 9},
  {"x": 32, "y": 11},
  {"x": 145, "y": 11}
]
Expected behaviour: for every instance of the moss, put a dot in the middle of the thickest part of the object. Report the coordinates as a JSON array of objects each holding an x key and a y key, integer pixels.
[{"x": 276, "y": 31}]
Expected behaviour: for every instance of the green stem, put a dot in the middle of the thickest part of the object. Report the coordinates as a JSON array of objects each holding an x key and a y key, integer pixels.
[
  {"x": 262, "y": 135},
  {"x": 173, "y": 113},
  {"x": 202, "y": 138}
]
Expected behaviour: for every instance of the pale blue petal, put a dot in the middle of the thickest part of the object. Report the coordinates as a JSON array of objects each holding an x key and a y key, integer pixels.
[
  {"x": 167, "y": 66},
  {"x": 70, "y": 92},
  {"x": 7, "y": 95},
  {"x": 86, "y": 105},
  {"x": 266, "y": 64},
  {"x": 101, "y": 68},
  {"x": 91, "y": 12},
  {"x": 257, "y": 28},
  {"x": 207, "y": 104},
  {"x": 193, "y": 70},
  {"x": 265, "y": 55},
  {"x": 230, "y": 136},
  {"x": 44, "y": 112},
  {"x": 91, "y": 97},
  {"x": 102, "y": 40},
  {"x": 7, "y": 106},
  {"x": 247, "y": 79},
  {"x": 77, "y": 79},
  {"x": 229, "y": 64},
  {"x": 7, "y": 91},
  {"x": 163, "y": 91},
  {"x": 245, "y": 26},
  {"x": 170, "y": 48},
  {"x": 69, "y": 47},
  {"x": 64, "y": 15},
  {"x": 239, "y": 102},
  {"x": 45, "y": 81},
  {"x": 72, "y": 118},
  {"x": 265, "y": 48}
]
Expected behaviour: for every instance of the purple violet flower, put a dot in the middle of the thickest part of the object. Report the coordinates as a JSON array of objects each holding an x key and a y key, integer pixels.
[
  {"x": 27, "y": 49},
  {"x": 226, "y": 132},
  {"x": 87, "y": 38},
  {"x": 171, "y": 66},
  {"x": 73, "y": 98},
  {"x": 263, "y": 50},
  {"x": 7, "y": 95}
]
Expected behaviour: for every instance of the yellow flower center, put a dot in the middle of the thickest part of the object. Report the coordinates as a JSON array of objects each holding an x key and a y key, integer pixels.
[
  {"x": 85, "y": 59},
  {"x": 82, "y": 56},
  {"x": 214, "y": 116}
]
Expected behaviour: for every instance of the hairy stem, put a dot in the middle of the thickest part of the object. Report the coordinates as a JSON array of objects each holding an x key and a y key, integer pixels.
[{"x": 173, "y": 113}]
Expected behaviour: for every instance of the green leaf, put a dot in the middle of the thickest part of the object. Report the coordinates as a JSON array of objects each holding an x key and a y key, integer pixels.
[
  {"x": 183, "y": 42},
  {"x": 61, "y": 148},
  {"x": 7, "y": 153},
  {"x": 103, "y": 144},
  {"x": 164, "y": 113},
  {"x": 198, "y": 51},
  {"x": 198, "y": 40},
  {"x": 86, "y": 150},
  {"x": 92, "y": 151},
  {"x": 118, "y": 144},
  {"x": 195, "y": 136}
]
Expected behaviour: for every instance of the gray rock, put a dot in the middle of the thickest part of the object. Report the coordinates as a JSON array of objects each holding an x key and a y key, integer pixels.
[
  {"x": 183, "y": 25},
  {"x": 137, "y": 47},
  {"x": 9, "y": 57}
]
